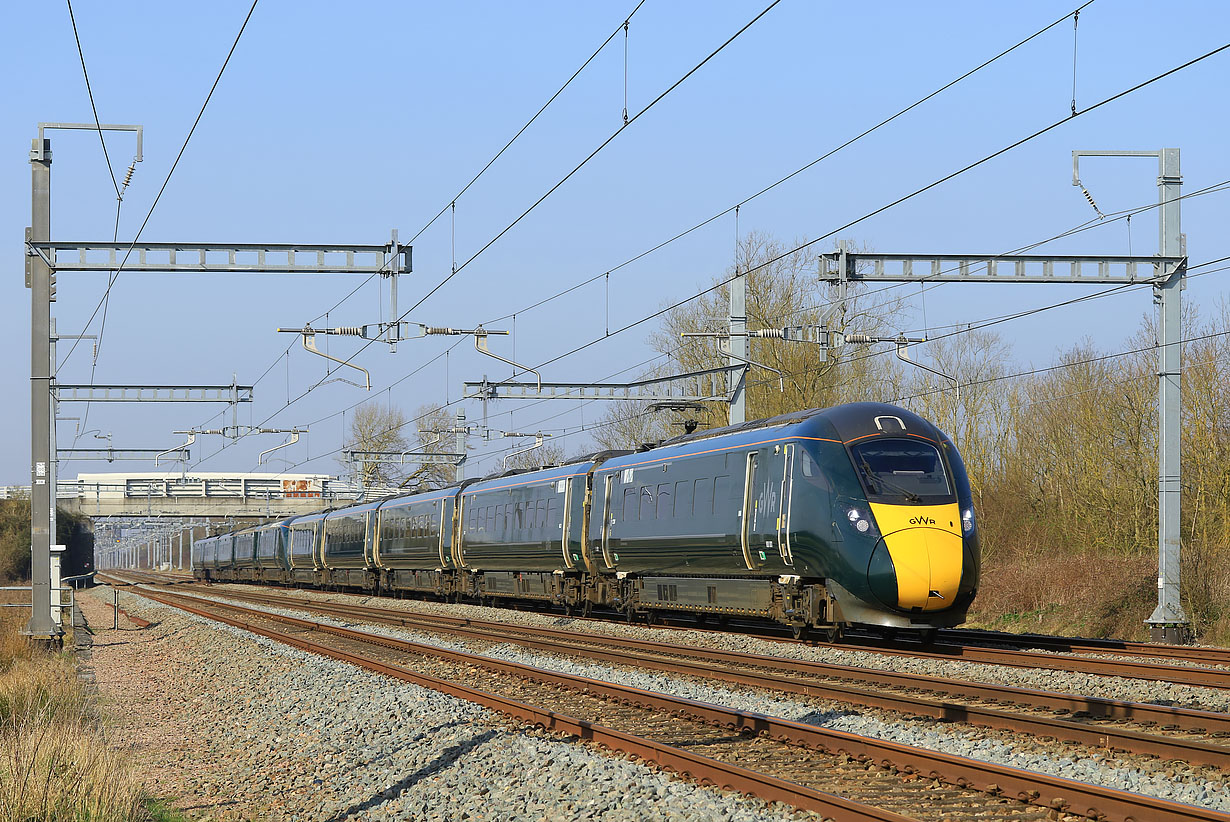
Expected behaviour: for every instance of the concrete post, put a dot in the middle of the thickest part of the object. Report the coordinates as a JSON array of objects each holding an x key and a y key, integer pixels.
[
  {"x": 42, "y": 493},
  {"x": 460, "y": 435},
  {"x": 738, "y": 347}
]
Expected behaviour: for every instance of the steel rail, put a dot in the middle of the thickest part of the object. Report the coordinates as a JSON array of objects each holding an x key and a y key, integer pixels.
[
  {"x": 1196, "y": 721},
  {"x": 1083, "y": 645},
  {"x": 1153, "y": 672},
  {"x": 1057, "y": 793},
  {"x": 707, "y": 771}
]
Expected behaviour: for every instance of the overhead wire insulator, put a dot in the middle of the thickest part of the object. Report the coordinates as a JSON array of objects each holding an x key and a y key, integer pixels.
[
  {"x": 1089, "y": 197},
  {"x": 132, "y": 169},
  {"x": 349, "y": 331}
]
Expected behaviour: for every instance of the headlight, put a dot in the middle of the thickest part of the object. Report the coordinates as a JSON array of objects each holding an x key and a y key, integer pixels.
[
  {"x": 856, "y": 517},
  {"x": 967, "y": 520}
]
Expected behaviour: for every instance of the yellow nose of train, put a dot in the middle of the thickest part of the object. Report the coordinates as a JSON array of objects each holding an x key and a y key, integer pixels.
[{"x": 916, "y": 565}]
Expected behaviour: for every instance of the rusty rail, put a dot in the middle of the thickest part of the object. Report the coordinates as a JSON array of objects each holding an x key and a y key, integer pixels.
[
  {"x": 567, "y": 641},
  {"x": 1047, "y": 791},
  {"x": 1083, "y": 645},
  {"x": 689, "y": 765}
]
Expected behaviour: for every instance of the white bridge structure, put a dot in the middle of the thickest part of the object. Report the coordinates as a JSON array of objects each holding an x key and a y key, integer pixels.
[{"x": 212, "y": 494}]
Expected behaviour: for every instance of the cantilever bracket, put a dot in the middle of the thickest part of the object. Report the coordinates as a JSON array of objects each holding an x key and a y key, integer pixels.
[
  {"x": 294, "y": 438},
  {"x": 538, "y": 440},
  {"x": 309, "y": 344},
  {"x": 903, "y": 354},
  {"x": 724, "y": 347},
  {"x": 191, "y": 439},
  {"x": 480, "y": 345}
]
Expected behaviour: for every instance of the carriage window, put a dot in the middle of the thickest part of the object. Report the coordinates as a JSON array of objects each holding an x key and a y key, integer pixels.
[
  {"x": 721, "y": 493},
  {"x": 704, "y": 498},
  {"x": 540, "y": 514},
  {"x": 630, "y": 497},
  {"x": 553, "y": 513},
  {"x": 683, "y": 499},
  {"x": 646, "y": 502},
  {"x": 664, "y": 501},
  {"x": 519, "y": 516}
]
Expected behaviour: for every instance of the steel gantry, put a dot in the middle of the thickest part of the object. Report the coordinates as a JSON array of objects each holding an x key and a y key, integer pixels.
[{"x": 45, "y": 258}]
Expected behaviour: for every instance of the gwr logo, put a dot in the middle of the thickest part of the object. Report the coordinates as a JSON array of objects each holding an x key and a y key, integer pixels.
[{"x": 922, "y": 521}]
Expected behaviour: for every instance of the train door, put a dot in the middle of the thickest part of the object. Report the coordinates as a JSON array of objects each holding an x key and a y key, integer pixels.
[
  {"x": 607, "y": 520},
  {"x": 374, "y": 530},
  {"x": 318, "y": 538},
  {"x": 566, "y": 529},
  {"x": 749, "y": 511},
  {"x": 371, "y": 533},
  {"x": 459, "y": 522},
  {"x": 783, "y": 516},
  {"x": 446, "y": 531}
]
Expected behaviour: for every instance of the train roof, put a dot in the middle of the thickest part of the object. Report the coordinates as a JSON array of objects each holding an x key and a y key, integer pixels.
[{"x": 841, "y": 424}]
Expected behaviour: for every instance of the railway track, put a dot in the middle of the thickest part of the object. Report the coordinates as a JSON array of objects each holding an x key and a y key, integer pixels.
[
  {"x": 1078, "y": 645},
  {"x": 889, "y": 774},
  {"x": 1076, "y": 663},
  {"x": 1001, "y": 707}
]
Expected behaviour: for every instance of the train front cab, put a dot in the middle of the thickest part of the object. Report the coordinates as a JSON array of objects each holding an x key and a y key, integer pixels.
[
  {"x": 920, "y": 559},
  {"x": 901, "y": 547}
]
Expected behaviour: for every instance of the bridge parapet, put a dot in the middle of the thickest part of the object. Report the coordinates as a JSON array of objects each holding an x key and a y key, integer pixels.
[{"x": 208, "y": 495}]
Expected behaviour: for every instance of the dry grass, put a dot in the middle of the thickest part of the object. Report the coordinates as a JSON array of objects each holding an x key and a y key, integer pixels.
[
  {"x": 54, "y": 760},
  {"x": 1087, "y": 593}
]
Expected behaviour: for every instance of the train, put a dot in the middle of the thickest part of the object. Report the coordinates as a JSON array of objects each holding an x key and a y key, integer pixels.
[{"x": 856, "y": 515}]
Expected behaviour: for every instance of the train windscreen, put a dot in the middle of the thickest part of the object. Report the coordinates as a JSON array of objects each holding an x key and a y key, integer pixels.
[{"x": 897, "y": 468}]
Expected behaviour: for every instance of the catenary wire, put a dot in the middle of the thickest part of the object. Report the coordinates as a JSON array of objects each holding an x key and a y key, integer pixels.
[
  {"x": 722, "y": 213},
  {"x": 530, "y": 122},
  {"x": 1105, "y": 101},
  {"x": 90, "y": 91},
  {"x": 801, "y": 169},
  {"x": 541, "y": 199},
  {"x": 475, "y": 178},
  {"x": 167, "y": 180}
]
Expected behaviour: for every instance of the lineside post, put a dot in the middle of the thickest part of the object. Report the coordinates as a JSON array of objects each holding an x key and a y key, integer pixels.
[
  {"x": 738, "y": 347},
  {"x": 41, "y": 627},
  {"x": 1169, "y": 622}
]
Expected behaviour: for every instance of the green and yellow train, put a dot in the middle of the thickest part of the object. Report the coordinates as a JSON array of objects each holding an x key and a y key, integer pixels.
[{"x": 856, "y": 514}]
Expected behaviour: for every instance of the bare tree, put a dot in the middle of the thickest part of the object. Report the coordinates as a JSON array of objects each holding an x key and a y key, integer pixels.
[
  {"x": 783, "y": 290},
  {"x": 434, "y": 434},
  {"x": 630, "y": 424},
  {"x": 377, "y": 428}
]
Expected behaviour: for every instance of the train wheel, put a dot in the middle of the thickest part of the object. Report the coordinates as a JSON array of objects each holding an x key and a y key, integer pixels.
[{"x": 798, "y": 631}]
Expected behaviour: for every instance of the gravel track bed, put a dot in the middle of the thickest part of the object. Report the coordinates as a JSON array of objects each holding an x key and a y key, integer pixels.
[
  {"x": 1106, "y": 687},
  {"x": 918, "y": 798},
  {"x": 1180, "y": 782},
  {"x": 246, "y": 728}
]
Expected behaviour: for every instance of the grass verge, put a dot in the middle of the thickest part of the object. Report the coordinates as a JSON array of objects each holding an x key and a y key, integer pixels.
[{"x": 55, "y": 764}]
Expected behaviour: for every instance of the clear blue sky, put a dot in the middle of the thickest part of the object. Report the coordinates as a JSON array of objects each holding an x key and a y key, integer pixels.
[{"x": 336, "y": 123}]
